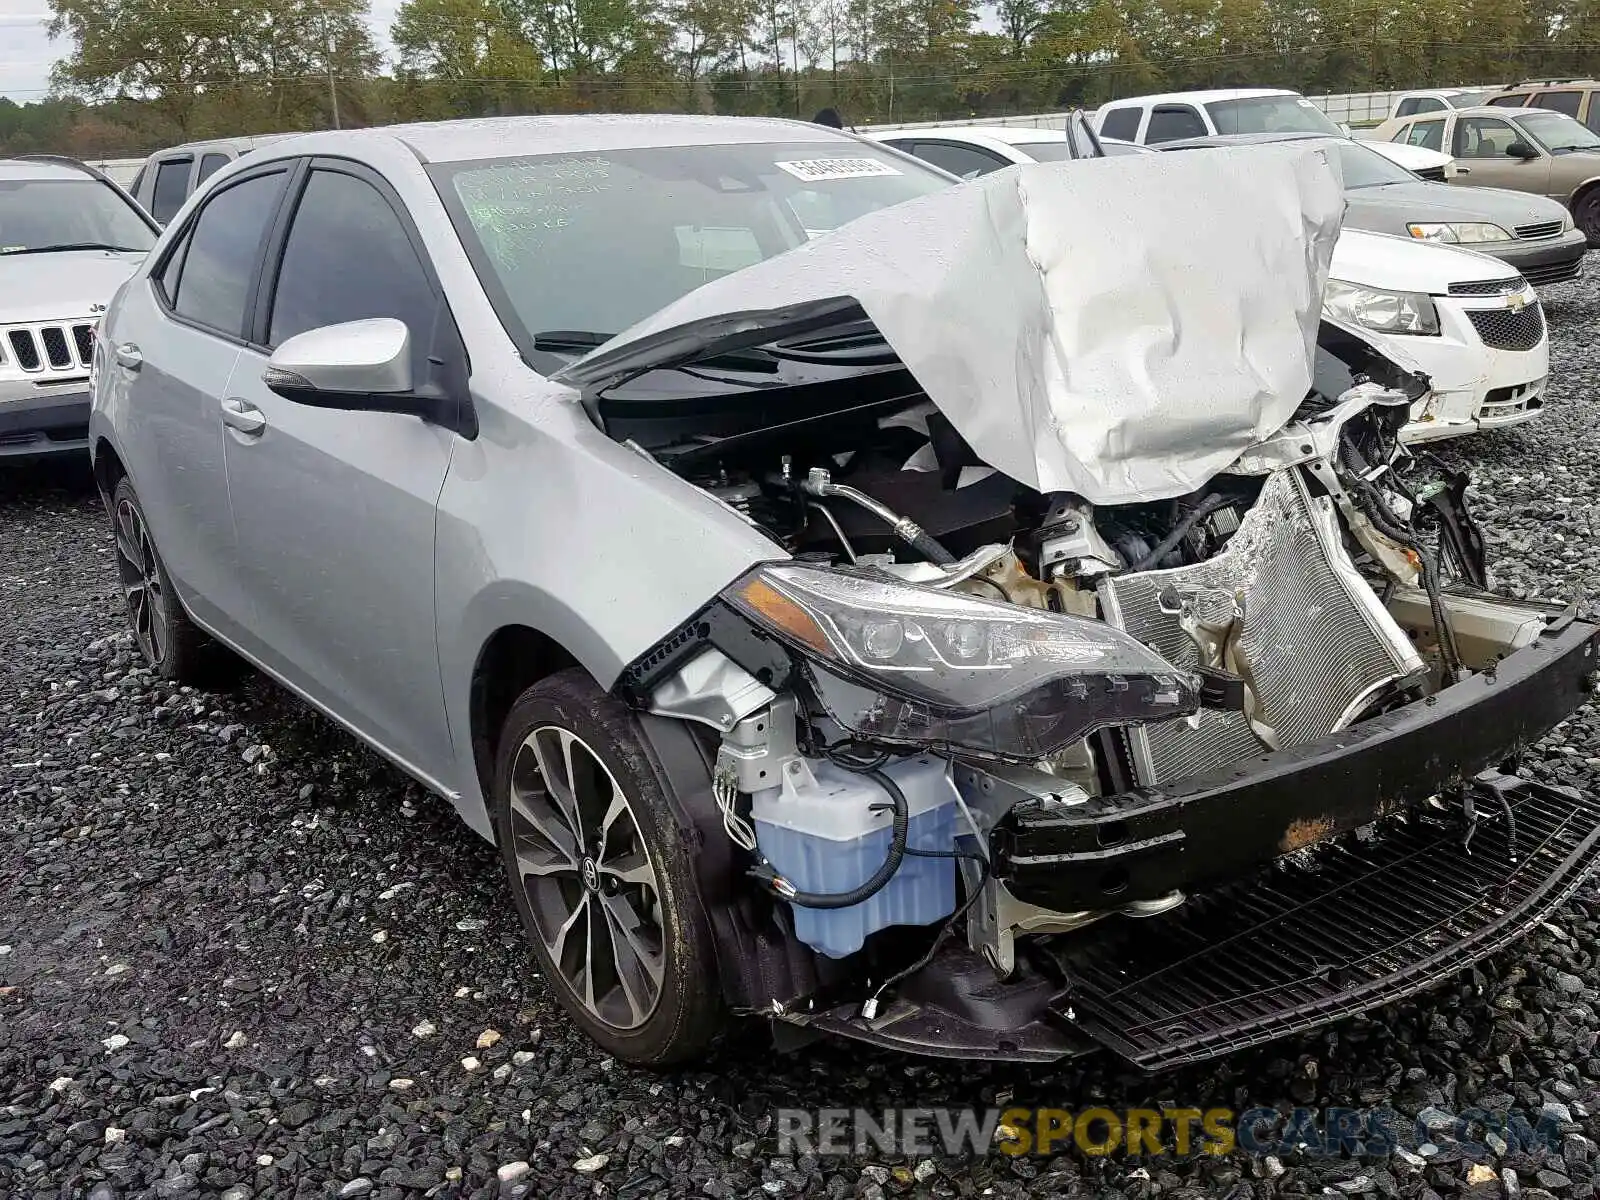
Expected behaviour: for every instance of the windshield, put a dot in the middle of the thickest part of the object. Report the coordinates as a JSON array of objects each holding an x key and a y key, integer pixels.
[
  {"x": 38, "y": 215},
  {"x": 1363, "y": 168},
  {"x": 1557, "y": 133},
  {"x": 1472, "y": 99},
  {"x": 592, "y": 243},
  {"x": 1269, "y": 114}
]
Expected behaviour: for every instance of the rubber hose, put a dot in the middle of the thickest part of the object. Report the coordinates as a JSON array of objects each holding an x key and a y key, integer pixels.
[
  {"x": 931, "y": 549},
  {"x": 1180, "y": 531}
]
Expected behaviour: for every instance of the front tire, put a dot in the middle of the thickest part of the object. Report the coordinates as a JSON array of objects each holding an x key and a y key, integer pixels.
[
  {"x": 1586, "y": 215},
  {"x": 601, "y": 875},
  {"x": 173, "y": 646}
]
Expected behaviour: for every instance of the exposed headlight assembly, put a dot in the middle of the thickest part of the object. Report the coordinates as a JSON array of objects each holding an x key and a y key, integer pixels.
[
  {"x": 911, "y": 665},
  {"x": 1460, "y": 233},
  {"x": 1374, "y": 308}
]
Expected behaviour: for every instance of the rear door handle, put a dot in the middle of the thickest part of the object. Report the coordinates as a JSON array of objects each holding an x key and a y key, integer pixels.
[
  {"x": 128, "y": 357},
  {"x": 243, "y": 416},
  {"x": 1463, "y": 170}
]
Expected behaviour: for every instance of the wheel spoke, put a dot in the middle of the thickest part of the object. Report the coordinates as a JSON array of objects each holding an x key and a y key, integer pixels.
[
  {"x": 631, "y": 868},
  {"x": 555, "y": 769},
  {"x": 129, "y": 543},
  {"x": 616, "y": 811},
  {"x": 560, "y": 846},
  {"x": 638, "y": 967},
  {"x": 558, "y": 945}
]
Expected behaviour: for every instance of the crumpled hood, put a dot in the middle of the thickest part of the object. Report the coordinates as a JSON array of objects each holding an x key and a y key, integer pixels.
[
  {"x": 1121, "y": 328},
  {"x": 60, "y": 287}
]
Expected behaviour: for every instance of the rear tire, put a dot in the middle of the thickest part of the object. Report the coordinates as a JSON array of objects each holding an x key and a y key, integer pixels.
[
  {"x": 602, "y": 876},
  {"x": 173, "y": 646}
]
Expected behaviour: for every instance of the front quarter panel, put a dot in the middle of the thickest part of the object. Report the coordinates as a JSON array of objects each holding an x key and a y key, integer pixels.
[{"x": 545, "y": 522}]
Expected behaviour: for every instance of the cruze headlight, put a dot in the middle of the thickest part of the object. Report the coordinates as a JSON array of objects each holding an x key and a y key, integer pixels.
[
  {"x": 1461, "y": 233},
  {"x": 1374, "y": 308},
  {"x": 903, "y": 664}
]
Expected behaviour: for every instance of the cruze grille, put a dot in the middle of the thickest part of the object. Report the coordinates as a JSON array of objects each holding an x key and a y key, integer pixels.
[
  {"x": 1505, "y": 329},
  {"x": 1489, "y": 287},
  {"x": 54, "y": 349}
]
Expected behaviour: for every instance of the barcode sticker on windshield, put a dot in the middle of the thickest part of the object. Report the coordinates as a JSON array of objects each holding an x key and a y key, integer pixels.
[{"x": 812, "y": 170}]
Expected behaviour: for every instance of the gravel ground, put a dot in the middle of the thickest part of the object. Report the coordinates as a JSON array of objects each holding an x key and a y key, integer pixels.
[{"x": 226, "y": 967}]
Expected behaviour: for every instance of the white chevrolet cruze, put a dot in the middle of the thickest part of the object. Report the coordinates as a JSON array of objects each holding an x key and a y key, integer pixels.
[{"x": 1467, "y": 321}]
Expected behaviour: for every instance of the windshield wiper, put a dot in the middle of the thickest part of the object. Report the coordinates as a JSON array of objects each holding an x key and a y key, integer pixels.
[{"x": 59, "y": 246}]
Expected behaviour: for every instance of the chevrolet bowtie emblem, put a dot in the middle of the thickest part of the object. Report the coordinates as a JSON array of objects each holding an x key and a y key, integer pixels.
[{"x": 1516, "y": 303}]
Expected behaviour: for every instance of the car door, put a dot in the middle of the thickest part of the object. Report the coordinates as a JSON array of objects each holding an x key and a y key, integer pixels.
[
  {"x": 334, "y": 509},
  {"x": 174, "y": 343},
  {"x": 1479, "y": 147}
]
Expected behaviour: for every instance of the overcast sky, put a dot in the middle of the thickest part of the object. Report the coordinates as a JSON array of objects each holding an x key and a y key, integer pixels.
[{"x": 26, "y": 53}]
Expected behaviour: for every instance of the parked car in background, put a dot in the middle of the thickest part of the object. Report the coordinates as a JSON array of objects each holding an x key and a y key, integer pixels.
[
  {"x": 968, "y": 151},
  {"x": 1525, "y": 150},
  {"x": 68, "y": 239},
  {"x": 1532, "y": 234},
  {"x": 1469, "y": 322},
  {"x": 881, "y": 619},
  {"x": 1574, "y": 97},
  {"x": 169, "y": 177},
  {"x": 1410, "y": 104},
  {"x": 1174, "y": 116}
]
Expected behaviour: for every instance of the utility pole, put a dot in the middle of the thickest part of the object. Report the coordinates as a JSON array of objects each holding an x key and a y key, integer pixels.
[{"x": 333, "y": 89}]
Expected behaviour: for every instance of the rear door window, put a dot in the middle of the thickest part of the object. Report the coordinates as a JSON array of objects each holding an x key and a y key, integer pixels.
[
  {"x": 1122, "y": 123},
  {"x": 1170, "y": 122},
  {"x": 172, "y": 187},
  {"x": 1427, "y": 104},
  {"x": 210, "y": 164},
  {"x": 969, "y": 162},
  {"x": 1561, "y": 102},
  {"x": 217, "y": 275},
  {"x": 1509, "y": 101}
]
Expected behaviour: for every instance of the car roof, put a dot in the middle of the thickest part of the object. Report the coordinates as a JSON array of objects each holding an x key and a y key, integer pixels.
[
  {"x": 1201, "y": 97},
  {"x": 36, "y": 169},
  {"x": 1494, "y": 110},
  {"x": 1020, "y": 136},
  {"x": 1250, "y": 139},
  {"x": 1534, "y": 85},
  {"x": 250, "y": 141},
  {"x": 511, "y": 137}
]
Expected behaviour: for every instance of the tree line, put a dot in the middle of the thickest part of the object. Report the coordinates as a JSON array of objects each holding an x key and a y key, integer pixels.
[{"x": 141, "y": 74}]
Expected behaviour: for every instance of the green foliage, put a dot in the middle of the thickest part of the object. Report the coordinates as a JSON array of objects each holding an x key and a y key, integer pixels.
[{"x": 146, "y": 73}]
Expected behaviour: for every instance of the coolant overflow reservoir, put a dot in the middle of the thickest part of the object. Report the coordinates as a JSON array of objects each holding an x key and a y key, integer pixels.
[{"x": 832, "y": 835}]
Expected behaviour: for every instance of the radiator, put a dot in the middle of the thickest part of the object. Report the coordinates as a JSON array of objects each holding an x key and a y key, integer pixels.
[{"x": 1316, "y": 640}]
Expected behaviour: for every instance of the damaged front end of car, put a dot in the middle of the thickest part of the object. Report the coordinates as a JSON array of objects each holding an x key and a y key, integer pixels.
[{"x": 1217, "y": 745}]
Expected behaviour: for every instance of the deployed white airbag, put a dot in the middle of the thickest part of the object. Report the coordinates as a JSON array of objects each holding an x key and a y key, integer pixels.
[{"x": 1121, "y": 327}]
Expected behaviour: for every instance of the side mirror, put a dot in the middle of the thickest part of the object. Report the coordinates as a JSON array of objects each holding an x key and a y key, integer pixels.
[
  {"x": 1521, "y": 150},
  {"x": 355, "y": 364}
]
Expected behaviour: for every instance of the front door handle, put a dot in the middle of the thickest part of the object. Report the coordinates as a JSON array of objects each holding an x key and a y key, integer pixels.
[
  {"x": 243, "y": 416},
  {"x": 1463, "y": 170},
  {"x": 128, "y": 357}
]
